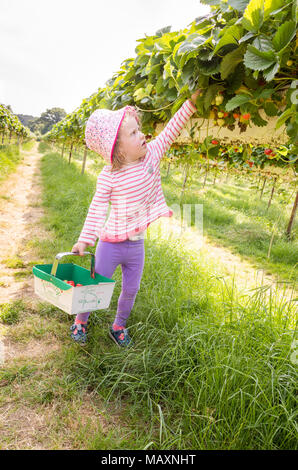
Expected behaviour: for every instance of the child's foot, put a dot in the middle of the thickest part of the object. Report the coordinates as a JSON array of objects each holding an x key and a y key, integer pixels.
[
  {"x": 79, "y": 332},
  {"x": 120, "y": 336}
]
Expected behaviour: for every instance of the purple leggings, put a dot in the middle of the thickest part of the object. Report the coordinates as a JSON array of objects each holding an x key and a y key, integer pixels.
[{"x": 130, "y": 254}]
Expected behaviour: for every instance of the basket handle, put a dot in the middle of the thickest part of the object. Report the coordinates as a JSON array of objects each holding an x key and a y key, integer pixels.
[{"x": 68, "y": 253}]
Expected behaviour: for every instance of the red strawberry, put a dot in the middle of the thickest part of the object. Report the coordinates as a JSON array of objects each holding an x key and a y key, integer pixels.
[
  {"x": 214, "y": 142},
  {"x": 246, "y": 116},
  {"x": 268, "y": 151}
]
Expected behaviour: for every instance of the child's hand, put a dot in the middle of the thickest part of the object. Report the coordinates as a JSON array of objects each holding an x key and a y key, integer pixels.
[
  {"x": 195, "y": 95},
  {"x": 79, "y": 247}
]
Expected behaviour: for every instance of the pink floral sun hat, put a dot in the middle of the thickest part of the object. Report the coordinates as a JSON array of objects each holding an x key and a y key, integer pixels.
[{"x": 102, "y": 129}]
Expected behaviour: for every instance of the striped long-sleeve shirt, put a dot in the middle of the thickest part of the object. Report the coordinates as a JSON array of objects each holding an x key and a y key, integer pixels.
[{"x": 134, "y": 191}]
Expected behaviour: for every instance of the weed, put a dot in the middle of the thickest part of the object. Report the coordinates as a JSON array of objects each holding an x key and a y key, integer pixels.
[{"x": 10, "y": 312}]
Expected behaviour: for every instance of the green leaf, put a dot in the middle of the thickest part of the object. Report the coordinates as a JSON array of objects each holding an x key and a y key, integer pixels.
[
  {"x": 211, "y": 2},
  {"x": 162, "y": 31},
  {"x": 262, "y": 43},
  {"x": 168, "y": 68},
  {"x": 270, "y": 108},
  {"x": 230, "y": 61},
  {"x": 188, "y": 70},
  {"x": 211, "y": 94},
  {"x": 258, "y": 120},
  {"x": 236, "y": 78},
  {"x": 247, "y": 36},
  {"x": 253, "y": 15},
  {"x": 209, "y": 67},
  {"x": 270, "y": 73},
  {"x": 192, "y": 43},
  {"x": 140, "y": 94},
  {"x": 284, "y": 35},
  {"x": 272, "y": 5},
  {"x": 292, "y": 130},
  {"x": 236, "y": 101},
  {"x": 239, "y": 5},
  {"x": 257, "y": 60},
  {"x": 284, "y": 117},
  {"x": 265, "y": 94},
  {"x": 230, "y": 35}
]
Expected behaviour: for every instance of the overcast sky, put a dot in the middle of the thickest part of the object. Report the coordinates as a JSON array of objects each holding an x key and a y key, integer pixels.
[{"x": 55, "y": 53}]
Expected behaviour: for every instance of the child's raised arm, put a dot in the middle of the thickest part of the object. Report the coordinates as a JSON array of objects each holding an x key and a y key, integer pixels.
[
  {"x": 97, "y": 210},
  {"x": 172, "y": 130}
]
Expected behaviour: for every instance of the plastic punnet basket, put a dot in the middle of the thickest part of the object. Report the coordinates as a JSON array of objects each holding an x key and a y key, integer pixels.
[{"x": 94, "y": 294}]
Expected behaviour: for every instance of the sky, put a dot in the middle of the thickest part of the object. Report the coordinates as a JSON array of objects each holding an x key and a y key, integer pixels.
[{"x": 55, "y": 53}]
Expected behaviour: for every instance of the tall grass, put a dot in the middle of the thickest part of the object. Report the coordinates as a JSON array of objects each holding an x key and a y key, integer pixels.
[
  {"x": 11, "y": 156},
  {"x": 235, "y": 215},
  {"x": 210, "y": 369}
]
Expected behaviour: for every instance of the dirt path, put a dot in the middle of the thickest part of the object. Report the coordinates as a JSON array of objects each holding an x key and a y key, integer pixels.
[
  {"x": 20, "y": 213},
  {"x": 222, "y": 262}
]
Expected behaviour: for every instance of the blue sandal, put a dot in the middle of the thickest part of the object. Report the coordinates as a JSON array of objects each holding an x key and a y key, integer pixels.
[
  {"x": 120, "y": 337},
  {"x": 79, "y": 333}
]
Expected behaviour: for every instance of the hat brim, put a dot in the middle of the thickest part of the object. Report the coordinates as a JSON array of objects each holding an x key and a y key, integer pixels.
[{"x": 113, "y": 146}]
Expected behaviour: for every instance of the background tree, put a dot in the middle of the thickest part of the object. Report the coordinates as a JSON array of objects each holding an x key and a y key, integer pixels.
[{"x": 46, "y": 121}]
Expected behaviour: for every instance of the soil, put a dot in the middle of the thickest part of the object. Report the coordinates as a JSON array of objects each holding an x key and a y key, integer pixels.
[{"x": 20, "y": 214}]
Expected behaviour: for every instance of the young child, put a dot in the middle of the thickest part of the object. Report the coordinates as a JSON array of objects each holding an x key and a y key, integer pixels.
[{"x": 131, "y": 183}]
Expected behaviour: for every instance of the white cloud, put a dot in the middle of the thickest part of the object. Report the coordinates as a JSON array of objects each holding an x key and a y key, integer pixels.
[{"x": 58, "y": 52}]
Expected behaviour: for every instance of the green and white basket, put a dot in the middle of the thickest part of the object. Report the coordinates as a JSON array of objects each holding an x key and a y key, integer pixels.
[{"x": 94, "y": 294}]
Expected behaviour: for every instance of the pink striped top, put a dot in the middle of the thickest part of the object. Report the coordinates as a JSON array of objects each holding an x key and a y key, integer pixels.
[{"x": 134, "y": 191}]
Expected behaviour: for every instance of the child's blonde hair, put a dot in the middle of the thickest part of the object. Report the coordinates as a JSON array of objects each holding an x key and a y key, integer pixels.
[{"x": 118, "y": 158}]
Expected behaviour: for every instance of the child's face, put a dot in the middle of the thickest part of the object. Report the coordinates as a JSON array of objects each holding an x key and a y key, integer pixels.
[{"x": 132, "y": 141}]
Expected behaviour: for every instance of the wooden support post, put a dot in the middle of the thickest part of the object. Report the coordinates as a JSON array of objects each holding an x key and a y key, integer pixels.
[
  {"x": 289, "y": 228},
  {"x": 70, "y": 152},
  {"x": 272, "y": 192},
  {"x": 84, "y": 160},
  {"x": 263, "y": 187},
  {"x": 185, "y": 178}
]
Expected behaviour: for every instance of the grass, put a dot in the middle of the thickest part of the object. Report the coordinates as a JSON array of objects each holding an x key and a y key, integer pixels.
[
  {"x": 14, "y": 262},
  {"x": 10, "y": 312},
  {"x": 235, "y": 216},
  {"x": 211, "y": 369},
  {"x": 11, "y": 156}
]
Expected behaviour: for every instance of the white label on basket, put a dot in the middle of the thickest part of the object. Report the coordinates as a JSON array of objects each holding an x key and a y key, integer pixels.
[
  {"x": 93, "y": 297},
  {"x": 77, "y": 299}
]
